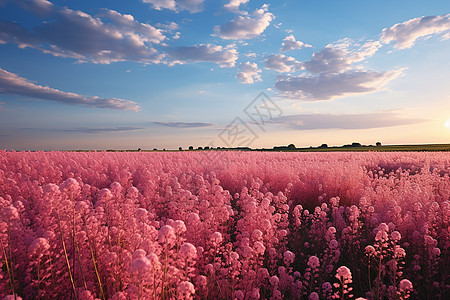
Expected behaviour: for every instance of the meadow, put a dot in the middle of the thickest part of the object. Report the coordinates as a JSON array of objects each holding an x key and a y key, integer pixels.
[{"x": 224, "y": 225}]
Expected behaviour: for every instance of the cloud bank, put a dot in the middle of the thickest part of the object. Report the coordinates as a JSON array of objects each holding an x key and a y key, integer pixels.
[
  {"x": 13, "y": 84},
  {"x": 246, "y": 27},
  {"x": 185, "y": 124},
  {"x": 282, "y": 63},
  {"x": 108, "y": 37},
  {"x": 223, "y": 56},
  {"x": 331, "y": 86},
  {"x": 192, "y": 6},
  {"x": 345, "y": 121},
  {"x": 405, "y": 34}
]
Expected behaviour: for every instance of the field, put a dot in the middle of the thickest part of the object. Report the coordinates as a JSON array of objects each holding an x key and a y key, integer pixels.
[{"x": 224, "y": 225}]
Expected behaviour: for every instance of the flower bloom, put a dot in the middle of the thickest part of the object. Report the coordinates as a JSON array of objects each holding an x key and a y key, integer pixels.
[
  {"x": 344, "y": 273},
  {"x": 405, "y": 285},
  {"x": 313, "y": 262}
]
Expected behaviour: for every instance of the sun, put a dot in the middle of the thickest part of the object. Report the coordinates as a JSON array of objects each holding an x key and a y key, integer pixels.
[{"x": 447, "y": 123}]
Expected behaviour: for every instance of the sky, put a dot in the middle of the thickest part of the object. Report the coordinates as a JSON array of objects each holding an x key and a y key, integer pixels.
[{"x": 160, "y": 74}]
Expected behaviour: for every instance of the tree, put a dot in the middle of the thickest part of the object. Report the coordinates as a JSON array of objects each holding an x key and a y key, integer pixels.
[
  {"x": 139, "y": 149},
  {"x": 378, "y": 144},
  {"x": 291, "y": 146},
  {"x": 180, "y": 149},
  {"x": 199, "y": 148},
  {"x": 191, "y": 148},
  {"x": 323, "y": 146}
]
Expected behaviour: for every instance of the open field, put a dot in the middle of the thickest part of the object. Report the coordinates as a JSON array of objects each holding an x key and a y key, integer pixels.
[{"x": 224, "y": 225}]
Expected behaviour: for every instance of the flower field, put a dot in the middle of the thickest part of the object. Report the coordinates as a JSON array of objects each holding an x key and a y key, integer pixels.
[{"x": 244, "y": 225}]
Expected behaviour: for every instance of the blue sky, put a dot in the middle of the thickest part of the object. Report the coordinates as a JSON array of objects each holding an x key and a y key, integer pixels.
[{"x": 169, "y": 73}]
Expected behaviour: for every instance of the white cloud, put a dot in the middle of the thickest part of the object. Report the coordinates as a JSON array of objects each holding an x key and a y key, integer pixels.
[
  {"x": 177, "y": 35},
  {"x": 106, "y": 38},
  {"x": 282, "y": 63},
  {"x": 330, "y": 86},
  {"x": 192, "y": 6},
  {"x": 168, "y": 26},
  {"x": 11, "y": 83},
  {"x": 248, "y": 73},
  {"x": 233, "y": 5},
  {"x": 289, "y": 43},
  {"x": 160, "y": 4},
  {"x": 223, "y": 56},
  {"x": 405, "y": 34},
  {"x": 345, "y": 121},
  {"x": 185, "y": 124},
  {"x": 339, "y": 57},
  {"x": 246, "y": 27}
]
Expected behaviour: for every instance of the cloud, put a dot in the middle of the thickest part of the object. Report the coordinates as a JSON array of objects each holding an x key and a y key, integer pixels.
[
  {"x": 345, "y": 121},
  {"x": 233, "y": 5},
  {"x": 101, "y": 129},
  {"x": 108, "y": 37},
  {"x": 168, "y": 26},
  {"x": 185, "y": 124},
  {"x": 330, "y": 86},
  {"x": 246, "y": 27},
  {"x": 223, "y": 56},
  {"x": 192, "y": 6},
  {"x": 289, "y": 43},
  {"x": 338, "y": 57},
  {"x": 248, "y": 73},
  {"x": 405, "y": 34},
  {"x": 11, "y": 83},
  {"x": 282, "y": 63}
]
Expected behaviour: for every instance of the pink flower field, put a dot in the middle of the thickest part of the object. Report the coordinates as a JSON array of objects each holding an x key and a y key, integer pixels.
[{"x": 224, "y": 225}]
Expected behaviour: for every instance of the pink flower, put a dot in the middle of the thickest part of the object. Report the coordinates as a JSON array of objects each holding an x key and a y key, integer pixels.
[
  {"x": 188, "y": 251},
  {"x": 39, "y": 245},
  {"x": 288, "y": 257},
  {"x": 216, "y": 238},
  {"x": 186, "y": 289},
  {"x": 274, "y": 281},
  {"x": 313, "y": 262},
  {"x": 396, "y": 236},
  {"x": 166, "y": 235},
  {"x": 259, "y": 248},
  {"x": 344, "y": 273},
  {"x": 405, "y": 285},
  {"x": 141, "y": 264}
]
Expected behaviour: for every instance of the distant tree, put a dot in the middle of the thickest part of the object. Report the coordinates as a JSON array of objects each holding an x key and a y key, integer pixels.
[
  {"x": 164, "y": 149},
  {"x": 323, "y": 146},
  {"x": 199, "y": 148},
  {"x": 139, "y": 149},
  {"x": 180, "y": 149},
  {"x": 207, "y": 148},
  {"x": 154, "y": 149},
  {"x": 291, "y": 146},
  {"x": 356, "y": 144},
  {"x": 191, "y": 148},
  {"x": 378, "y": 144}
]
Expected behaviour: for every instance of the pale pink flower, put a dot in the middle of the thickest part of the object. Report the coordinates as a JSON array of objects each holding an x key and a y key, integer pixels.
[
  {"x": 188, "y": 251},
  {"x": 405, "y": 285},
  {"x": 313, "y": 262}
]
